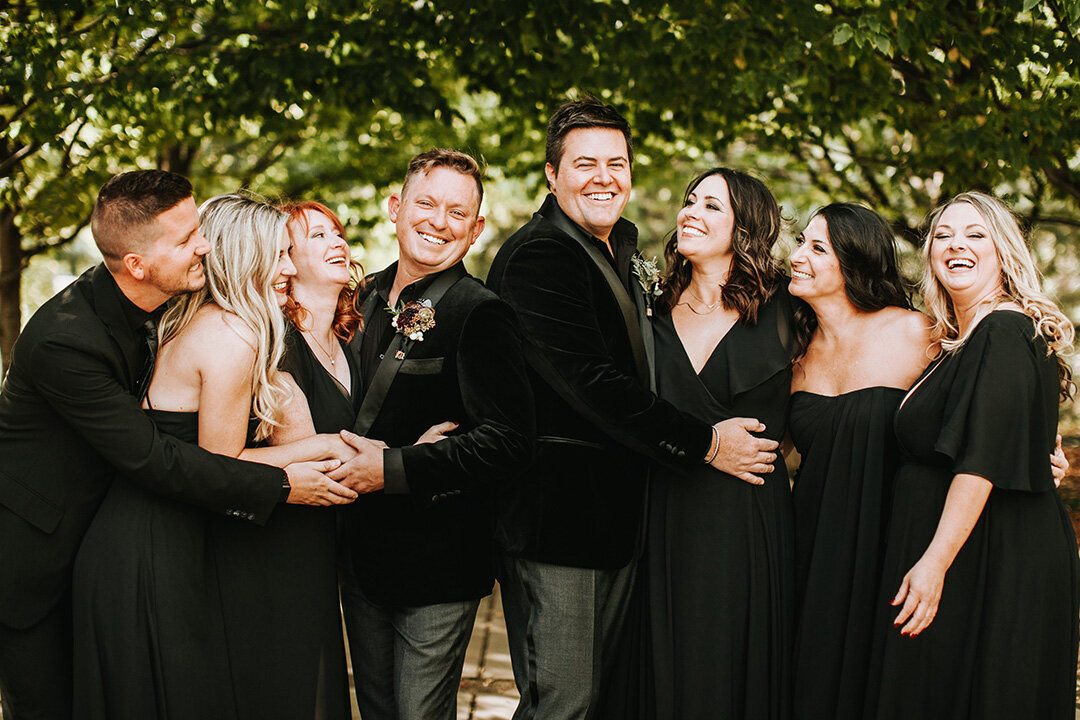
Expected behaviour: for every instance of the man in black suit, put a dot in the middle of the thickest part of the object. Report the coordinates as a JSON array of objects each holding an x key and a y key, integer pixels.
[
  {"x": 421, "y": 552},
  {"x": 571, "y": 524},
  {"x": 70, "y": 418}
]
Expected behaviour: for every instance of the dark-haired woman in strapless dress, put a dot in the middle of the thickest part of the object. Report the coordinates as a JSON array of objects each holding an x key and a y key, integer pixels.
[{"x": 860, "y": 346}]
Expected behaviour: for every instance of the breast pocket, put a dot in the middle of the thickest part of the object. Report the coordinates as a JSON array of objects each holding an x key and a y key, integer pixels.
[{"x": 423, "y": 366}]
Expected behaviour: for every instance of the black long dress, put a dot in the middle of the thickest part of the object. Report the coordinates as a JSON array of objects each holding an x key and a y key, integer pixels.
[
  {"x": 718, "y": 555},
  {"x": 148, "y": 627},
  {"x": 1004, "y": 642},
  {"x": 841, "y": 496},
  {"x": 279, "y": 585}
]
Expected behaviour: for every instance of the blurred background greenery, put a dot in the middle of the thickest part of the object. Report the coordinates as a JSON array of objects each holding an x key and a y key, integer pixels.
[{"x": 898, "y": 105}]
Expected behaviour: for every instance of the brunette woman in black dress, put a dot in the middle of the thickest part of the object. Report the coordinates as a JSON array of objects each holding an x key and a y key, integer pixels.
[
  {"x": 718, "y": 557},
  {"x": 860, "y": 347},
  {"x": 977, "y": 616}
]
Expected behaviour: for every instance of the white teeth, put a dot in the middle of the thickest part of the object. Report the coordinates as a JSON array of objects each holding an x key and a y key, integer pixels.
[
  {"x": 336, "y": 261},
  {"x": 432, "y": 239},
  {"x": 281, "y": 286},
  {"x": 600, "y": 196},
  {"x": 693, "y": 232},
  {"x": 800, "y": 274},
  {"x": 958, "y": 263}
]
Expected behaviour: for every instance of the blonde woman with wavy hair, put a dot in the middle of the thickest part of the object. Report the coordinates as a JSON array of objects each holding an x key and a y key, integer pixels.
[
  {"x": 177, "y": 590},
  {"x": 1021, "y": 284},
  {"x": 981, "y": 567}
]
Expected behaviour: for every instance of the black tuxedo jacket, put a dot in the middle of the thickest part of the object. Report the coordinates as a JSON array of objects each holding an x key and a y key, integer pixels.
[
  {"x": 581, "y": 502},
  {"x": 428, "y": 536},
  {"x": 68, "y": 421}
]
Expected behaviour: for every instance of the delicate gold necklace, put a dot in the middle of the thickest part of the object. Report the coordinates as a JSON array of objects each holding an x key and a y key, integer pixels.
[
  {"x": 319, "y": 345},
  {"x": 711, "y": 307}
]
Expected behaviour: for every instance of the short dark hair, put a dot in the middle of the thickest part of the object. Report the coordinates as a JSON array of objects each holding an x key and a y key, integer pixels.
[
  {"x": 755, "y": 274},
  {"x": 585, "y": 113},
  {"x": 865, "y": 249},
  {"x": 127, "y": 203},
  {"x": 464, "y": 163}
]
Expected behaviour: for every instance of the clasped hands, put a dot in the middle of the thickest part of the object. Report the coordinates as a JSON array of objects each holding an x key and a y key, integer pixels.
[
  {"x": 740, "y": 454},
  {"x": 352, "y": 465}
]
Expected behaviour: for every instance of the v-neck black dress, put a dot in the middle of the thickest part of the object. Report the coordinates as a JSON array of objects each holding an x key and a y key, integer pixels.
[
  {"x": 718, "y": 556},
  {"x": 279, "y": 584},
  {"x": 841, "y": 495},
  {"x": 1004, "y": 642}
]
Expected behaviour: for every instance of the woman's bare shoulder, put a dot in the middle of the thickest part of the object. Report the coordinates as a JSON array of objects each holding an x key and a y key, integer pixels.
[{"x": 218, "y": 336}]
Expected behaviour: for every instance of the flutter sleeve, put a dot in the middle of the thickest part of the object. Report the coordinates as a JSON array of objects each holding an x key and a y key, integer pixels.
[{"x": 1000, "y": 415}]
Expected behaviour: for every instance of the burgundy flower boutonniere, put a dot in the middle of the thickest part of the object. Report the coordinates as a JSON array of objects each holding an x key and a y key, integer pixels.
[{"x": 413, "y": 319}]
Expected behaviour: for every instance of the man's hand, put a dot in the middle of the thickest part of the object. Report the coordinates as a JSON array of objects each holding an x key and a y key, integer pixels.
[
  {"x": 364, "y": 472},
  {"x": 310, "y": 485},
  {"x": 742, "y": 455},
  {"x": 435, "y": 433}
]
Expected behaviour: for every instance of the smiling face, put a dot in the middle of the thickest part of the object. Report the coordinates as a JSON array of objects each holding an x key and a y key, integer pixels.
[
  {"x": 815, "y": 269},
  {"x": 436, "y": 220},
  {"x": 592, "y": 182},
  {"x": 319, "y": 252},
  {"x": 172, "y": 263},
  {"x": 284, "y": 270},
  {"x": 963, "y": 257},
  {"x": 706, "y": 222}
]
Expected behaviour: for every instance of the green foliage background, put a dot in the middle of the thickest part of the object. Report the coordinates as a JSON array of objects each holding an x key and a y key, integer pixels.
[{"x": 895, "y": 104}]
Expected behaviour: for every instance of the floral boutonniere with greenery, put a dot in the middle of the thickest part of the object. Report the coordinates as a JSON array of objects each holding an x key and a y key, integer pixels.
[
  {"x": 413, "y": 319},
  {"x": 648, "y": 275}
]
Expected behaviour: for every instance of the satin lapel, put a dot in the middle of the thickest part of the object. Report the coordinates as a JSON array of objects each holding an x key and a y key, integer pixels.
[
  {"x": 395, "y": 354},
  {"x": 646, "y": 335},
  {"x": 107, "y": 307},
  {"x": 632, "y": 316}
]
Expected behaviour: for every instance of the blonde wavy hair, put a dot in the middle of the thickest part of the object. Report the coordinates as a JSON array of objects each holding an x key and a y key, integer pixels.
[
  {"x": 1021, "y": 283},
  {"x": 243, "y": 233}
]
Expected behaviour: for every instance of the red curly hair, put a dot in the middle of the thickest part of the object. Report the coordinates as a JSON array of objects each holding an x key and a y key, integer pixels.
[{"x": 347, "y": 319}]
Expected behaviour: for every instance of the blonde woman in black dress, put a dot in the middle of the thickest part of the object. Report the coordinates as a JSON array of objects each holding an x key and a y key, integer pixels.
[{"x": 980, "y": 594}]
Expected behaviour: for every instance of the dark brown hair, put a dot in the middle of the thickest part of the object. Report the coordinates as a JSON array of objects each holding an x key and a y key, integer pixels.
[
  {"x": 755, "y": 274},
  {"x": 127, "y": 203},
  {"x": 865, "y": 250},
  {"x": 464, "y": 163},
  {"x": 585, "y": 113},
  {"x": 347, "y": 319}
]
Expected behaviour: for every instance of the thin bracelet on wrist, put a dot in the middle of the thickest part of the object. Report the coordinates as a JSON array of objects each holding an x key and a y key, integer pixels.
[{"x": 716, "y": 446}]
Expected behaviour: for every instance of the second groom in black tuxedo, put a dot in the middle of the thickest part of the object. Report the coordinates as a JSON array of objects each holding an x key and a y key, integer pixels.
[
  {"x": 420, "y": 552},
  {"x": 571, "y": 525}
]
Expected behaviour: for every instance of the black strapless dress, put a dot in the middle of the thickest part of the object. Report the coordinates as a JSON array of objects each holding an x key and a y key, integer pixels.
[
  {"x": 842, "y": 493},
  {"x": 150, "y": 639}
]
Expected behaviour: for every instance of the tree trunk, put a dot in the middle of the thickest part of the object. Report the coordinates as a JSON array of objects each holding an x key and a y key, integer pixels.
[
  {"x": 177, "y": 158},
  {"x": 11, "y": 256}
]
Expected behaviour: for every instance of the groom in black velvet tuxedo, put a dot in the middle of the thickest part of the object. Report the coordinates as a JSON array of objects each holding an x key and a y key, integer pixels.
[
  {"x": 70, "y": 418},
  {"x": 435, "y": 346},
  {"x": 571, "y": 524}
]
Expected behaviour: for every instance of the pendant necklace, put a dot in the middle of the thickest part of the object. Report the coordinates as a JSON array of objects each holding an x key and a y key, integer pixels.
[{"x": 319, "y": 345}]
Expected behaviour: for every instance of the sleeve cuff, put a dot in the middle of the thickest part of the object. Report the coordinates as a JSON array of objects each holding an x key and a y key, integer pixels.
[
  {"x": 394, "y": 482},
  {"x": 286, "y": 488}
]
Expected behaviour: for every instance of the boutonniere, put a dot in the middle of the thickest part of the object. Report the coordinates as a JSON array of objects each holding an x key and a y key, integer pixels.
[
  {"x": 413, "y": 319},
  {"x": 648, "y": 275}
]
